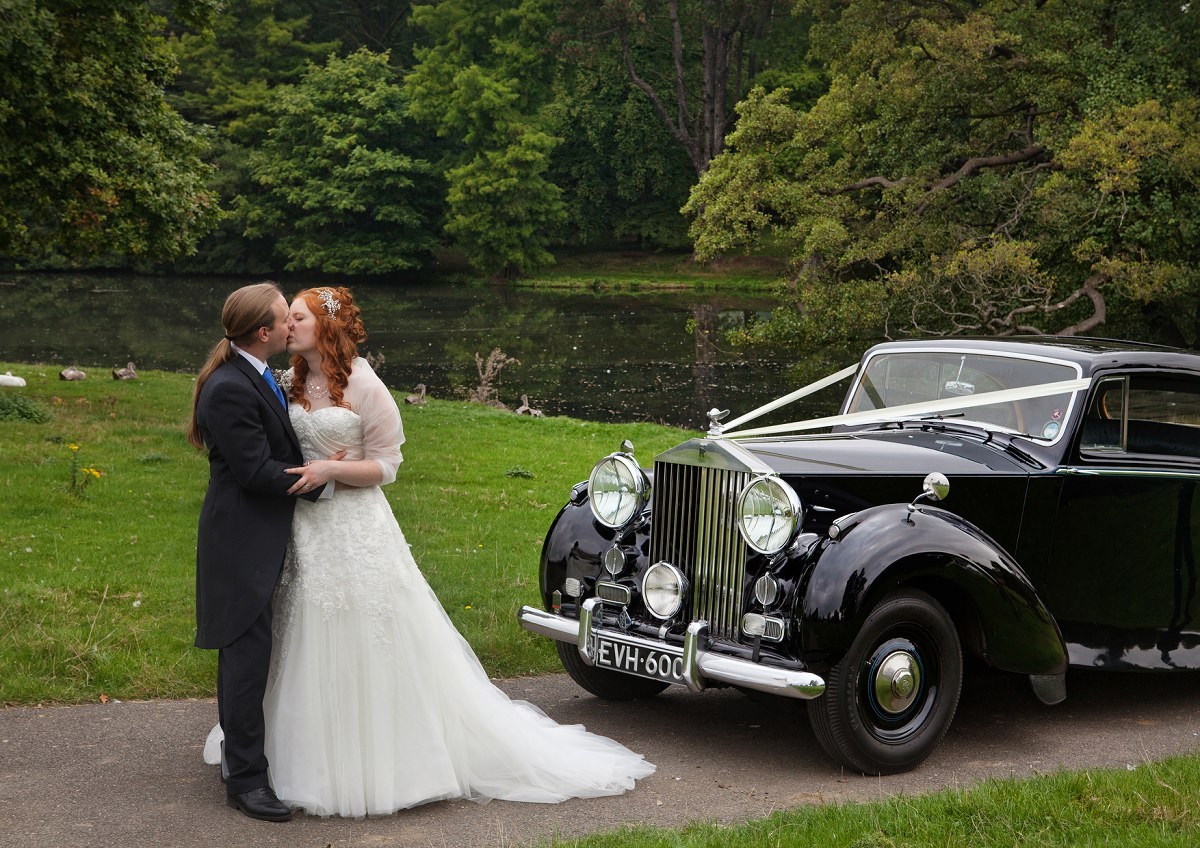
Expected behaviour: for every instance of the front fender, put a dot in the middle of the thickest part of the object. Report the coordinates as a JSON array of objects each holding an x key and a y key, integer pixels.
[
  {"x": 573, "y": 547},
  {"x": 884, "y": 547}
]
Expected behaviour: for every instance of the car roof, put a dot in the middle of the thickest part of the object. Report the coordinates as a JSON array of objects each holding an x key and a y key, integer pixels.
[{"x": 1091, "y": 354}]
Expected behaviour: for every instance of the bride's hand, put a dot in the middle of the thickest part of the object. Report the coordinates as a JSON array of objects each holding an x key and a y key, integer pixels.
[{"x": 314, "y": 474}]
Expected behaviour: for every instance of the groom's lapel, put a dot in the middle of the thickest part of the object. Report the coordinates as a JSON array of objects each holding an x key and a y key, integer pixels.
[{"x": 269, "y": 396}]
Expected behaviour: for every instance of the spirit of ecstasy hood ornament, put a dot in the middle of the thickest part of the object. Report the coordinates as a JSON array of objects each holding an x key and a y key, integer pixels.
[{"x": 715, "y": 417}]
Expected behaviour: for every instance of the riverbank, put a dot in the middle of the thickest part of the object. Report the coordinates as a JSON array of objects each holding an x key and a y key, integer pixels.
[
  {"x": 616, "y": 355},
  {"x": 637, "y": 271}
]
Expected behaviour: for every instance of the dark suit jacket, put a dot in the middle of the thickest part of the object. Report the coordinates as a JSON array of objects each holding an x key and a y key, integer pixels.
[{"x": 247, "y": 514}]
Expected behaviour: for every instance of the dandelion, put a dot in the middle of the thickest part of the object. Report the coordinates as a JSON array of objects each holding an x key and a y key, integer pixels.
[{"x": 79, "y": 476}]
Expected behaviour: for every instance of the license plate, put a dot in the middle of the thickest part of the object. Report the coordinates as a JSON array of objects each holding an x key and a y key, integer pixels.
[{"x": 655, "y": 663}]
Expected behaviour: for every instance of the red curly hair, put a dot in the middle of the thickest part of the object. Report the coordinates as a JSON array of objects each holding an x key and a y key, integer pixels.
[{"x": 339, "y": 332}]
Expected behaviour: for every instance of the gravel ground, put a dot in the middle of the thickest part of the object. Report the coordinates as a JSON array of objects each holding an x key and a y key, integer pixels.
[{"x": 131, "y": 774}]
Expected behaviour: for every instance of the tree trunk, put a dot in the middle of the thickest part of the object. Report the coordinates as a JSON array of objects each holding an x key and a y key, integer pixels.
[{"x": 701, "y": 128}]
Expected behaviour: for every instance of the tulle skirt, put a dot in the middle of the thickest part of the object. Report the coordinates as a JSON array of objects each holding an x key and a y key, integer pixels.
[{"x": 376, "y": 703}]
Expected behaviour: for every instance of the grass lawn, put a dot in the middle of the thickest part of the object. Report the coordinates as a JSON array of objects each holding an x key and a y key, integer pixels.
[
  {"x": 1156, "y": 805},
  {"x": 97, "y": 573}
]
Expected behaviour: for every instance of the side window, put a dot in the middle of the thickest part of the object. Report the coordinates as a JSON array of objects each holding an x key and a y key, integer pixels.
[
  {"x": 1144, "y": 414},
  {"x": 1104, "y": 423}
]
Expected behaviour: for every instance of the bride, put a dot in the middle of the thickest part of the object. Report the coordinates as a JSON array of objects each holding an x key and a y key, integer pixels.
[{"x": 375, "y": 702}]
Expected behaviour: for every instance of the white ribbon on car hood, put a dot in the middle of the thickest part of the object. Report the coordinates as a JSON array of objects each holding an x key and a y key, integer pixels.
[
  {"x": 786, "y": 399},
  {"x": 894, "y": 413}
]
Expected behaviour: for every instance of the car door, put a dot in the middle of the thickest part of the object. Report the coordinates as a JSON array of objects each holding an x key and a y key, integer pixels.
[{"x": 1122, "y": 579}]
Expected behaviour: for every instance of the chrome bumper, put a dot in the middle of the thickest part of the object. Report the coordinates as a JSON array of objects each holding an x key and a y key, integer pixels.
[{"x": 699, "y": 664}]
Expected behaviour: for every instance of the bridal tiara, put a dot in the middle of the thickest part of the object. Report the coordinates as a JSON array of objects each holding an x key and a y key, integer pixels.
[{"x": 331, "y": 303}]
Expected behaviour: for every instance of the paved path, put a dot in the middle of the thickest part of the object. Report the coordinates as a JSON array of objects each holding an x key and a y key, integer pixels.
[{"x": 130, "y": 774}]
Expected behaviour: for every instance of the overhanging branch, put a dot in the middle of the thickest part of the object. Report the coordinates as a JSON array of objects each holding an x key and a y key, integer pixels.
[
  {"x": 972, "y": 165},
  {"x": 1091, "y": 289},
  {"x": 978, "y": 163}
]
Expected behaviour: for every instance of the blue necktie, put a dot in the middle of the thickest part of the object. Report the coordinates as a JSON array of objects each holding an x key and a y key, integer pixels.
[{"x": 274, "y": 386}]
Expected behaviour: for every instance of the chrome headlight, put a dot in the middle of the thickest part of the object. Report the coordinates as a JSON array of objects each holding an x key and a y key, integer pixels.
[
  {"x": 617, "y": 490},
  {"x": 663, "y": 589},
  {"x": 769, "y": 514}
]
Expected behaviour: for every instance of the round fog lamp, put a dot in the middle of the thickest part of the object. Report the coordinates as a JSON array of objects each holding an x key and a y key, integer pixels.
[
  {"x": 616, "y": 490},
  {"x": 614, "y": 561},
  {"x": 768, "y": 514},
  {"x": 766, "y": 590},
  {"x": 663, "y": 589}
]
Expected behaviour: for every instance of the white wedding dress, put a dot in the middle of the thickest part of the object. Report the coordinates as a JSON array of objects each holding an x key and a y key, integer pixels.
[{"x": 375, "y": 702}]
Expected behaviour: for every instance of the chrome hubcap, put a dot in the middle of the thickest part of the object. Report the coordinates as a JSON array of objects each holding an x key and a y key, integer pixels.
[{"x": 897, "y": 682}]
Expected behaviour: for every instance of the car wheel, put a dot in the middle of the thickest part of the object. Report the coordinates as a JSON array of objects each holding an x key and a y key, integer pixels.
[
  {"x": 610, "y": 685},
  {"x": 890, "y": 700}
]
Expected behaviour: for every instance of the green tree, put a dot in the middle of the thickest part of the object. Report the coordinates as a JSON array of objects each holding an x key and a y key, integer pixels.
[
  {"x": 484, "y": 81},
  {"x": 347, "y": 189},
  {"x": 230, "y": 70},
  {"x": 976, "y": 167},
  {"x": 622, "y": 176},
  {"x": 94, "y": 165},
  {"x": 382, "y": 26},
  {"x": 690, "y": 59},
  {"x": 500, "y": 206},
  {"x": 230, "y": 67}
]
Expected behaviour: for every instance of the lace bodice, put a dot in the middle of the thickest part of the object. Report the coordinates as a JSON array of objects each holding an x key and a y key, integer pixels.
[
  {"x": 324, "y": 432},
  {"x": 379, "y": 433}
]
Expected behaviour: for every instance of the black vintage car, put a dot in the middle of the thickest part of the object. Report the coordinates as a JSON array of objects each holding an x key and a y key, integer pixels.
[{"x": 1030, "y": 502}]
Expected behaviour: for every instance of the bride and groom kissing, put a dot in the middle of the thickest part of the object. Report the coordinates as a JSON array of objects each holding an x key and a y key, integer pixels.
[{"x": 337, "y": 668}]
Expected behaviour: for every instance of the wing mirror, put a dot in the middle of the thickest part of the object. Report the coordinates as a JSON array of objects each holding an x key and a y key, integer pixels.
[{"x": 934, "y": 488}]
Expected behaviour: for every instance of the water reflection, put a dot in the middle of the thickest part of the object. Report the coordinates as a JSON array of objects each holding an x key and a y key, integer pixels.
[{"x": 603, "y": 357}]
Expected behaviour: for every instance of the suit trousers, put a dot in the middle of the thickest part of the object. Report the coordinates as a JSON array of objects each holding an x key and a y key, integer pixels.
[{"x": 242, "y": 669}]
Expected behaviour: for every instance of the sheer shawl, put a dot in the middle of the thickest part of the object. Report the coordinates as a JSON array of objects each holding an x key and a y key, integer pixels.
[{"x": 383, "y": 432}]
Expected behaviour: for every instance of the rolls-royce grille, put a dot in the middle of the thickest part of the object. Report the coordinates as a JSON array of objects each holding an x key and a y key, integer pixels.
[{"x": 694, "y": 528}]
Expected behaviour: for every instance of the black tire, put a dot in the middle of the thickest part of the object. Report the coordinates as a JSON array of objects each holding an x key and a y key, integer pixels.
[
  {"x": 609, "y": 685},
  {"x": 909, "y": 640}
]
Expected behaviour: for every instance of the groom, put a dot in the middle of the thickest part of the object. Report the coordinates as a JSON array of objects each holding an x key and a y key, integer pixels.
[{"x": 240, "y": 416}]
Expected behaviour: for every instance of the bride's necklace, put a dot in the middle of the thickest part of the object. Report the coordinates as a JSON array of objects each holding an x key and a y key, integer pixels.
[{"x": 316, "y": 392}]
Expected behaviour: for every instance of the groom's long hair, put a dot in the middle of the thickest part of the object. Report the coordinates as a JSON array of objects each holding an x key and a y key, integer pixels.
[{"x": 245, "y": 310}]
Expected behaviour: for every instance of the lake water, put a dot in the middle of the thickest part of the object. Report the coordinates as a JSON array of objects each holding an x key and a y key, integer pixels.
[{"x": 596, "y": 356}]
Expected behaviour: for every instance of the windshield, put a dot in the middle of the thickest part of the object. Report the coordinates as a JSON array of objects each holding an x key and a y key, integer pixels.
[{"x": 897, "y": 378}]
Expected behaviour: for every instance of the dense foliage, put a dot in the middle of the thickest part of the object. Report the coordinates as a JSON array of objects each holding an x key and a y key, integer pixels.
[
  {"x": 977, "y": 167},
  {"x": 948, "y": 166},
  {"x": 93, "y": 162},
  {"x": 501, "y": 130},
  {"x": 344, "y": 191},
  {"x": 485, "y": 87}
]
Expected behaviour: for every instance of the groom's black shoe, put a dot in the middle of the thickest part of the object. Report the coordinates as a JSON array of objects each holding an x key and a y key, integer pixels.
[{"x": 261, "y": 804}]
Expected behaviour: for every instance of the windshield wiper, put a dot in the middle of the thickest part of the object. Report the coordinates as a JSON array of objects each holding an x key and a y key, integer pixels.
[{"x": 900, "y": 423}]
